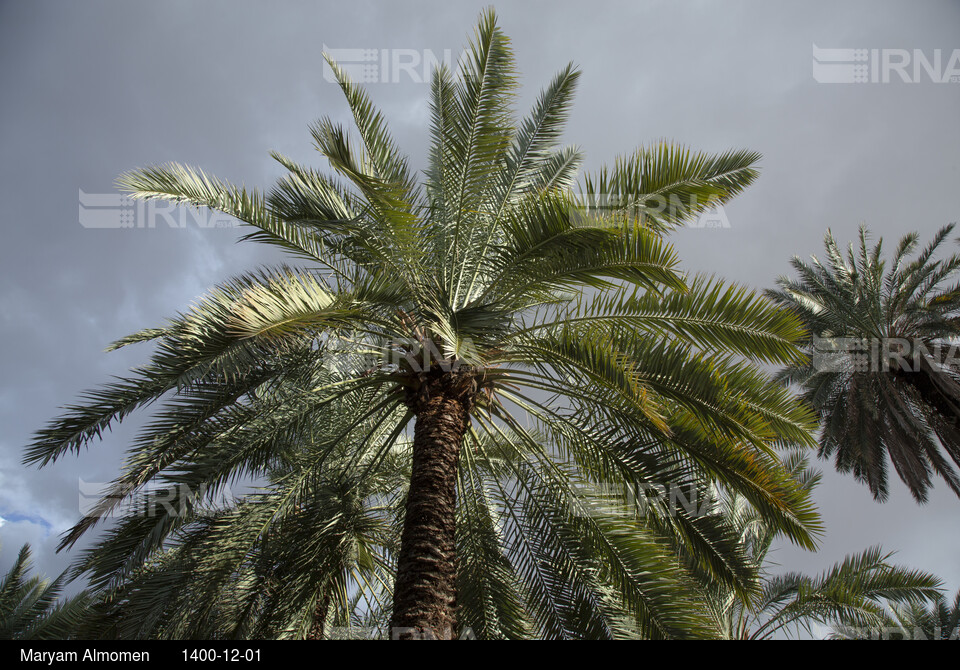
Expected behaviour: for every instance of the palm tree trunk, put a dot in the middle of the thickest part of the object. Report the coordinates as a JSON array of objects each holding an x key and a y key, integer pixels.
[
  {"x": 425, "y": 593},
  {"x": 316, "y": 631}
]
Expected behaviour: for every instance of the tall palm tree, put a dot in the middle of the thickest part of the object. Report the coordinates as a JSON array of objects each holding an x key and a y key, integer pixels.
[
  {"x": 507, "y": 335},
  {"x": 854, "y": 594},
  {"x": 884, "y": 367},
  {"x": 31, "y": 609}
]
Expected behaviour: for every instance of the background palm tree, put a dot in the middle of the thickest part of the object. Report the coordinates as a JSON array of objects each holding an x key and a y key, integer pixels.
[
  {"x": 940, "y": 620},
  {"x": 854, "y": 594},
  {"x": 884, "y": 372},
  {"x": 312, "y": 548},
  {"x": 536, "y": 342},
  {"x": 30, "y": 608}
]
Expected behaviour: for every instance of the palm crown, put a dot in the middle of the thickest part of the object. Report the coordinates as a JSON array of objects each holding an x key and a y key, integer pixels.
[
  {"x": 937, "y": 620},
  {"x": 856, "y": 593},
  {"x": 29, "y": 606},
  {"x": 538, "y": 339},
  {"x": 884, "y": 374}
]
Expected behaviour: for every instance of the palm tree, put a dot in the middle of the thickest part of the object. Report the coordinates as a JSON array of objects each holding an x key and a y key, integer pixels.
[
  {"x": 854, "y": 594},
  {"x": 310, "y": 549},
  {"x": 29, "y": 606},
  {"x": 505, "y": 335},
  {"x": 884, "y": 375},
  {"x": 911, "y": 621}
]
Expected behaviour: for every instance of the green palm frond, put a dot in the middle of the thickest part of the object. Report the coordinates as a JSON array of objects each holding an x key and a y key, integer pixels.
[
  {"x": 854, "y": 594},
  {"x": 667, "y": 185},
  {"x": 31, "y": 608},
  {"x": 938, "y": 620}
]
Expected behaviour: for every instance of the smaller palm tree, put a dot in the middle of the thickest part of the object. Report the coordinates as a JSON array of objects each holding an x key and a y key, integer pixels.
[
  {"x": 310, "y": 550},
  {"x": 853, "y": 595},
  {"x": 29, "y": 607},
  {"x": 941, "y": 621},
  {"x": 883, "y": 374}
]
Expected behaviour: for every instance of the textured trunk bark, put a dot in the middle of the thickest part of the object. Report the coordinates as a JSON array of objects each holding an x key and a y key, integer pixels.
[
  {"x": 319, "y": 616},
  {"x": 425, "y": 593}
]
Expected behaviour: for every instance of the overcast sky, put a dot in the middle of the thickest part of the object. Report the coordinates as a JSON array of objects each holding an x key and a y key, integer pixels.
[{"x": 92, "y": 89}]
